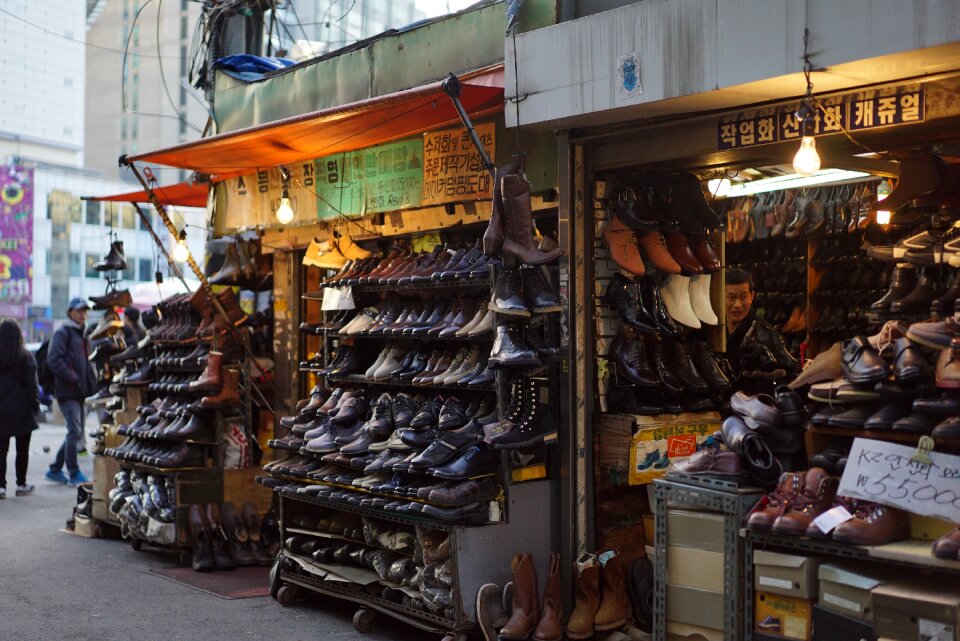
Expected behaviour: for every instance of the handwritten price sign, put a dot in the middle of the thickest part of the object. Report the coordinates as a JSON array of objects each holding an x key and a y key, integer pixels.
[{"x": 886, "y": 473}]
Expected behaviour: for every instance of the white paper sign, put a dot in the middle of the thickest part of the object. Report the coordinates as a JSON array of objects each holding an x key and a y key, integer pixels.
[
  {"x": 886, "y": 473},
  {"x": 832, "y": 518}
]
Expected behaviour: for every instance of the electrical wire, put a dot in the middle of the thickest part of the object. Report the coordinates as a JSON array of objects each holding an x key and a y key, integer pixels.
[
  {"x": 296, "y": 16},
  {"x": 126, "y": 51},
  {"x": 163, "y": 77},
  {"x": 339, "y": 213}
]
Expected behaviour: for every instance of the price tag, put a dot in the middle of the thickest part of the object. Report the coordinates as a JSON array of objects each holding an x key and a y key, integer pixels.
[
  {"x": 889, "y": 474},
  {"x": 832, "y": 518}
]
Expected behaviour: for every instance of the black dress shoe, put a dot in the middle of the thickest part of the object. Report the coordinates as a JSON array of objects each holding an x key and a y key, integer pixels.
[
  {"x": 678, "y": 361},
  {"x": 452, "y": 415},
  {"x": 447, "y": 445},
  {"x": 938, "y": 407},
  {"x": 629, "y": 356},
  {"x": 861, "y": 363},
  {"x": 472, "y": 513},
  {"x": 623, "y": 296},
  {"x": 909, "y": 365},
  {"x": 884, "y": 418},
  {"x": 652, "y": 302},
  {"x": 853, "y": 418},
  {"x": 791, "y": 407},
  {"x": 428, "y": 414},
  {"x": 475, "y": 460},
  {"x": 705, "y": 363},
  {"x": 914, "y": 424},
  {"x": 471, "y": 491}
]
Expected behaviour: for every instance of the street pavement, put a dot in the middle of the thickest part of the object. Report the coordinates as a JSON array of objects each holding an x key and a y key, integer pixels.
[{"x": 56, "y": 585}]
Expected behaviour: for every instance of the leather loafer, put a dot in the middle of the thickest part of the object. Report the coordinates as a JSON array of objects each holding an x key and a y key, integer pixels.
[
  {"x": 756, "y": 411},
  {"x": 909, "y": 364},
  {"x": 884, "y": 418},
  {"x": 861, "y": 363},
  {"x": 853, "y": 418}
]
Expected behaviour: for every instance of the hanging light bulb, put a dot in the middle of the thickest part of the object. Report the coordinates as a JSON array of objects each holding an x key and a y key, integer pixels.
[
  {"x": 719, "y": 187},
  {"x": 806, "y": 162},
  {"x": 284, "y": 211},
  {"x": 883, "y": 190},
  {"x": 180, "y": 251}
]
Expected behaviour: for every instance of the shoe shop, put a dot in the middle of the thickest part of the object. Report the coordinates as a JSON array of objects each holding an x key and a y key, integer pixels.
[{"x": 761, "y": 303}]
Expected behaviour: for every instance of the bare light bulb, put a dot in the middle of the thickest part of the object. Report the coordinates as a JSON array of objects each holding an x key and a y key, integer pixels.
[
  {"x": 883, "y": 217},
  {"x": 180, "y": 251},
  {"x": 284, "y": 211},
  {"x": 807, "y": 160},
  {"x": 719, "y": 187}
]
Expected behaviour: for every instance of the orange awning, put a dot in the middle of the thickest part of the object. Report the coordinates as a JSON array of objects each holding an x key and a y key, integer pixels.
[
  {"x": 339, "y": 129},
  {"x": 180, "y": 194}
]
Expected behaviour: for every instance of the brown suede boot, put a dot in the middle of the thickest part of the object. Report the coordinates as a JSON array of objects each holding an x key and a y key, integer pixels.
[
  {"x": 229, "y": 395},
  {"x": 614, "y": 606},
  {"x": 493, "y": 236},
  {"x": 526, "y": 603},
  {"x": 518, "y": 223},
  {"x": 587, "y": 597},
  {"x": 212, "y": 377},
  {"x": 550, "y": 627}
]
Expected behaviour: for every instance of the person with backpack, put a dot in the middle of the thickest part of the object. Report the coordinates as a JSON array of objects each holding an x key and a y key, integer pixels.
[
  {"x": 74, "y": 381},
  {"x": 19, "y": 404},
  {"x": 44, "y": 375}
]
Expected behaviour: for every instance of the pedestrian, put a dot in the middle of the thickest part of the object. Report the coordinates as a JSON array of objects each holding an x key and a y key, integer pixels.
[
  {"x": 19, "y": 404},
  {"x": 74, "y": 381}
]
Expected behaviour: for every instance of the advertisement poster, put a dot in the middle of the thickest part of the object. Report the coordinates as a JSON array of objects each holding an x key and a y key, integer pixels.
[{"x": 16, "y": 234}]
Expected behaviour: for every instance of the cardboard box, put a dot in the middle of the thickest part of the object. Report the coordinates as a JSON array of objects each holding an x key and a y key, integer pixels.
[
  {"x": 685, "y": 632},
  {"x": 699, "y": 530},
  {"x": 104, "y": 469},
  {"x": 649, "y": 531},
  {"x": 783, "y": 616},
  {"x": 832, "y": 626},
  {"x": 696, "y": 607},
  {"x": 917, "y": 610},
  {"x": 694, "y": 568},
  {"x": 83, "y": 526},
  {"x": 848, "y": 591},
  {"x": 786, "y": 574},
  {"x": 665, "y": 439}
]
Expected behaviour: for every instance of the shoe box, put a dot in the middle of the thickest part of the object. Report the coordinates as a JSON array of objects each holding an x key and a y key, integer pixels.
[
  {"x": 833, "y": 626},
  {"x": 785, "y": 574},
  {"x": 672, "y": 438},
  {"x": 104, "y": 469},
  {"x": 928, "y": 528},
  {"x": 782, "y": 617},
  {"x": 848, "y": 591},
  {"x": 695, "y": 569},
  {"x": 686, "y": 632},
  {"x": 917, "y": 611}
]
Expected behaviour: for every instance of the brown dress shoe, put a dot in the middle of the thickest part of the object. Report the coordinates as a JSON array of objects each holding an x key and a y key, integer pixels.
[
  {"x": 678, "y": 244},
  {"x": 622, "y": 243},
  {"x": 948, "y": 366},
  {"x": 874, "y": 524},
  {"x": 654, "y": 247},
  {"x": 819, "y": 492},
  {"x": 767, "y": 509}
]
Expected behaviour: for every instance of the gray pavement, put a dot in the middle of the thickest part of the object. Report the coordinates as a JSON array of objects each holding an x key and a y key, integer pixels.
[{"x": 55, "y": 585}]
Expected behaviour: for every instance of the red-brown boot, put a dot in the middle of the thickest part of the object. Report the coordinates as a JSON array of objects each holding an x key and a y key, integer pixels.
[
  {"x": 212, "y": 377},
  {"x": 229, "y": 395},
  {"x": 550, "y": 627},
  {"x": 526, "y": 604}
]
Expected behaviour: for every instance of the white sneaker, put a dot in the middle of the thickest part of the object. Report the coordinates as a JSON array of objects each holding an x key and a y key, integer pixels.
[
  {"x": 23, "y": 490},
  {"x": 700, "y": 299},
  {"x": 360, "y": 322},
  {"x": 676, "y": 296}
]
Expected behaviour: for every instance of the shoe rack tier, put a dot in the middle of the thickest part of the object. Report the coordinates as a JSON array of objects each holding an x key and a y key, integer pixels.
[
  {"x": 363, "y": 380},
  {"x": 819, "y": 438},
  {"x": 460, "y": 283}
]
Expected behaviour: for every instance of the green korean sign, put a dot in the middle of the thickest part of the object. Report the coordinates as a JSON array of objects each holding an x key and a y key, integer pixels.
[{"x": 382, "y": 178}]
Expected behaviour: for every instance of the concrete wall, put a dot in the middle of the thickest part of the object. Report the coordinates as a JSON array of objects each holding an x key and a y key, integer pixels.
[{"x": 697, "y": 55}]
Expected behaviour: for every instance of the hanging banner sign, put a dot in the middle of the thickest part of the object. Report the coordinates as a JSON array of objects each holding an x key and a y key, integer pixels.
[
  {"x": 452, "y": 170},
  {"x": 382, "y": 178},
  {"x": 890, "y": 474},
  {"x": 16, "y": 234},
  {"x": 854, "y": 112}
]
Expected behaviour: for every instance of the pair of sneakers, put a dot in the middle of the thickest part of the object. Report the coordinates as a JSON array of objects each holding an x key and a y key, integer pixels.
[
  {"x": 22, "y": 490},
  {"x": 75, "y": 479}
]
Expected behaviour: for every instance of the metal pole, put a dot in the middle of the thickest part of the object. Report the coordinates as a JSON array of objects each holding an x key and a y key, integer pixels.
[{"x": 451, "y": 86}]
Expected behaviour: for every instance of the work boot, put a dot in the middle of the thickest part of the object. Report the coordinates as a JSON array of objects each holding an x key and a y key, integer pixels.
[
  {"x": 676, "y": 297},
  {"x": 509, "y": 349},
  {"x": 494, "y": 234},
  {"x": 819, "y": 491},
  {"x": 518, "y": 223},
  {"x": 235, "y": 531},
  {"x": 586, "y": 597},
  {"x": 218, "y": 539},
  {"x": 525, "y": 428},
  {"x": 254, "y": 542},
  {"x": 767, "y": 509},
  {"x": 614, "y": 602},
  {"x": 622, "y": 244},
  {"x": 550, "y": 627},
  {"x": 526, "y": 604},
  {"x": 212, "y": 377},
  {"x": 508, "y": 294},
  {"x": 115, "y": 259},
  {"x": 199, "y": 540},
  {"x": 229, "y": 394},
  {"x": 700, "y": 299}
]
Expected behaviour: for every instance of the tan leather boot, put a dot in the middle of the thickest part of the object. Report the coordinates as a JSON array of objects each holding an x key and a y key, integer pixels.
[
  {"x": 614, "y": 605},
  {"x": 622, "y": 243},
  {"x": 550, "y": 627},
  {"x": 518, "y": 223},
  {"x": 526, "y": 603},
  {"x": 587, "y": 597}
]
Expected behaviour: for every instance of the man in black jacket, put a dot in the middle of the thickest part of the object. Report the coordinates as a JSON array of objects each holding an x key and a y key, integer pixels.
[
  {"x": 74, "y": 381},
  {"x": 752, "y": 343}
]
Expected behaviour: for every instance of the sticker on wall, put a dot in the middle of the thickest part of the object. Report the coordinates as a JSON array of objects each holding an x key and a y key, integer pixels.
[{"x": 628, "y": 75}]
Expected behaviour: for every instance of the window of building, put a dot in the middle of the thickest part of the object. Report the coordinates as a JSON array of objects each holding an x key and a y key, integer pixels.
[
  {"x": 110, "y": 214},
  {"x": 47, "y": 261},
  {"x": 90, "y": 261},
  {"x": 146, "y": 269},
  {"x": 142, "y": 221},
  {"x": 130, "y": 273},
  {"x": 94, "y": 213},
  {"x": 129, "y": 217},
  {"x": 75, "y": 264}
]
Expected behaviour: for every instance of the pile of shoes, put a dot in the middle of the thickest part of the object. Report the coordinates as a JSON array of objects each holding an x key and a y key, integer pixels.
[
  {"x": 520, "y": 298},
  {"x": 223, "y": 538},
  {"x": 402, "y": 453},
  {"x": 146, "y": 506},
  {"x": 801, "y": 497},
  {"x": 244, "y": 265}
]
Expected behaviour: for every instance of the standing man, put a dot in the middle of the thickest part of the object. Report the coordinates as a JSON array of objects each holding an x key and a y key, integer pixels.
[{"x": 75, "y": 380}]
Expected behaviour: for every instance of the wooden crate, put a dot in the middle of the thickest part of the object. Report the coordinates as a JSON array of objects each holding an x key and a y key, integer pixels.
[{"x": 239, "y": 487}]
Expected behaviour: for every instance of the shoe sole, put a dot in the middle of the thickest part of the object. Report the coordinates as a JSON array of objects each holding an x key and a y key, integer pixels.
[{"x": 509, "y": 312}]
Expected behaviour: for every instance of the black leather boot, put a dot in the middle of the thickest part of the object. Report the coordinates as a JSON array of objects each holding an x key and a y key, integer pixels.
[
  {"x": 650, "y": 300},
  {"x": 508, "y": 294},
  {"x": 703, "y": 360},
  {"x": 920, "y": 298},
  {"x": 670, "y": 383},
  {"x": 509, "y": 349},
  {"x": 115, "y": 259},
  {"x": 629, "y": 356},
  {"x": 538, "y": 293},
  {"x": 624, "y": 297},
  {"x": 901, "y": 283},
  {"x": 200, "y": 540},
  {"x": 678, "y": 361},
  {"x": 770, "y": 338},
  {"x": 531, "y": 426}
]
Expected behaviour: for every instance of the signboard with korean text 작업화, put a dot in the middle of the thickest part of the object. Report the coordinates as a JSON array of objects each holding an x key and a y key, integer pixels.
[
  {"x": 16, "y": 234},
  {"x": 382, "y": 178},
  {"x": 854, "y": 112},
  {"x": 452, "y": 169},
  {"x": 892, "y": 474}
]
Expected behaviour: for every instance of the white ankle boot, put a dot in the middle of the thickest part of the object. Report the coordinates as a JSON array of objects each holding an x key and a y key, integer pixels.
[
  {"x": 676, "y": 296},
  {"x": 700, "y": 299}
]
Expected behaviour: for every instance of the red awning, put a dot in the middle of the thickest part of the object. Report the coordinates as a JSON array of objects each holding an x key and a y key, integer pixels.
[
  {"x": 180, "y": 194},
  {"x": 336, "y": 130}
]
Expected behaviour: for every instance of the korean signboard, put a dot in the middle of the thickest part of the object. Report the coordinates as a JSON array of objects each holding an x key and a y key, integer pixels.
[
  {"x": 253, "y": 199},
  {"x": 382, "y": 178},
  {"x": 853, "y": 112},
  {"x": 452, "y": 170},
  {"x": 16, "y": 234}
]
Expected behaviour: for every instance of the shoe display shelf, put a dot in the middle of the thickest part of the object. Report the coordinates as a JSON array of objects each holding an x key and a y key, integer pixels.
[
  {"x": 910, "y": 556},
  {"x": 479, "y": 554},
  {"x": 702, "y": 495},
  {"x": 820, "y": 438}
]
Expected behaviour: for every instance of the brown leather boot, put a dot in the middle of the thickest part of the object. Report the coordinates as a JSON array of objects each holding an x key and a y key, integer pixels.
[
  {"x": 254, "y": 544},
  {"x": 212, "y": 377},
  {"x": 235, "y": 531},
  {"x": 622, "y": 243},
  {"x": 229, "y": 395},
  {"x": 819, "y": 492},
  {"x": 767, "y": 509},
  {"x": 550, "y": 627},
  {"x": 614, "y": 604},
  {"x": 493, "y": 236},
  {"x": 230, "y": 305},
  {"x": 230, "y": 272},
  {"x": 526, "y": 604},
  {"x": 587, "y": 597},
  {"x": 199, "y": 540},
  {"x": 518, "y": 223},
  {"x": 218, "y": 540},
  {"x": 655, "y": 247}
]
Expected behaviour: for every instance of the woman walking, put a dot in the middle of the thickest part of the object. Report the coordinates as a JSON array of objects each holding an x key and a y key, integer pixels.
[{"x": 19, "y": 403}]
